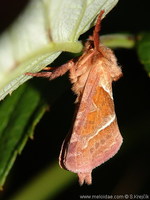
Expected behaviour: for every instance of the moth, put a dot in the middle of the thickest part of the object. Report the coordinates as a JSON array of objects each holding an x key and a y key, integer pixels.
[{"x": 94, "y": 137}]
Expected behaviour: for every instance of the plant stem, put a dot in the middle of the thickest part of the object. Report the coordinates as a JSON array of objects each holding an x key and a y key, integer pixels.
[
  {"x": 46, "y": 185},
  {"x": 118, "y": 40}
]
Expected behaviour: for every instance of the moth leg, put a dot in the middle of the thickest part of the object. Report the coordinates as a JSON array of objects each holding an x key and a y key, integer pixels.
[
  {"x": 96, "y": 31},
  {"x": 61, "y": 70},
  {"x": 56, "y": 72},
  {"x": 40, "y": 74}
]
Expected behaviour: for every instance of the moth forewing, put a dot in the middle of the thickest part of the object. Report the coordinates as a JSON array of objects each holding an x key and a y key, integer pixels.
[{"x": 71, "y": 146}]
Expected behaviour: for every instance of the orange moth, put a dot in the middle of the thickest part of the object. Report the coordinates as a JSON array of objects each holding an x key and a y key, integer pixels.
[{"x": 94, "y": 136}]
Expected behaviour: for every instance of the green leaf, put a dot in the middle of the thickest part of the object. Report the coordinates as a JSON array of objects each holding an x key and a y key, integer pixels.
[
  {"x": 41, "y": 33},
  {"x": 143, "y": 50},
  {"x": 19, "y": 115}
]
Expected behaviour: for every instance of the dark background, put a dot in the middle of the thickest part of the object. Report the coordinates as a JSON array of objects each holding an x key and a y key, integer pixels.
[{"x": 128, "y": 171}]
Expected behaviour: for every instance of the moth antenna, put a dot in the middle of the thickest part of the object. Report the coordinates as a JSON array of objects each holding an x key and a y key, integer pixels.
[{"x": 97, "y": 30}]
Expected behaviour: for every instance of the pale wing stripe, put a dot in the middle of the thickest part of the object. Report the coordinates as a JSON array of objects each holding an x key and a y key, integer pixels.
[
  {"x": 101, "y": 128},
  {"x": 107, "y": 90}
]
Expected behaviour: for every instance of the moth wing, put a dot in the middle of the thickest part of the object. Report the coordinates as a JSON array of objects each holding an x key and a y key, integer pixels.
[{"x": 95, "y": 134}]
